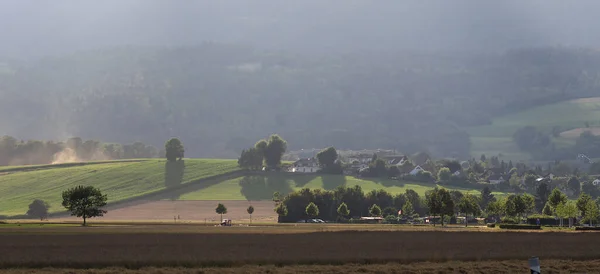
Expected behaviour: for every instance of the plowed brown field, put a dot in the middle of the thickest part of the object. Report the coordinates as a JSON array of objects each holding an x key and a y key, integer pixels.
[
  {"x": 95, "y": 247},
  {"x": 513, "y": 266}
]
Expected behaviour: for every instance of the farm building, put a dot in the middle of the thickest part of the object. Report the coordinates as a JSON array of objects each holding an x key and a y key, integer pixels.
[{"x": 306, "y": 165}]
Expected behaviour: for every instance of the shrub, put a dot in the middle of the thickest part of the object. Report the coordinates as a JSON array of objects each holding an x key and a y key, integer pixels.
[
  {"x": 391, "y": 219},
  {"x": 587, "y": 228},
  {"x": 516, "y": 226},
  {"x": 509, "y": 220},
  {"x": 545, "y": 220},
  {"x": 491, "y": 225}
]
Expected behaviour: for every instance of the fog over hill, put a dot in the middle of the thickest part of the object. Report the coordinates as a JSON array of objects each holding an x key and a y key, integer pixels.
[
  {"x": 34, "y": 28},
  {"x": 409, "y": 75}
]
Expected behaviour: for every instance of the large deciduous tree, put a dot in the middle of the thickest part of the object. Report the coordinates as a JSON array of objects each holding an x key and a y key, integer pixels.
[
  {"x": 84, "y": 201},
  {"x": 251, "y": 158},
  {"x": 327, "y": 160},
  {"x": 174, "y": 149},
  {"x": 468, "y": 205},
  {"x": 274, "y": 150},
  {"x": 440, "y": 202},
  {"x": 556, "y": 197}
]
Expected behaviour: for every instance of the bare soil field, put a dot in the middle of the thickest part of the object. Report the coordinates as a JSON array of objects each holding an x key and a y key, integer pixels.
[
  {"x": 511, "y": 266},
  {"x": 95, "y": 248},
  {"x": 188, "y": 211},
  {"x": 576, "y": 132}
]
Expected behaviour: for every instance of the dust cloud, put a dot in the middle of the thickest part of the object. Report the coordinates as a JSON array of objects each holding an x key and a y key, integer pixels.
[{"x": 69, "y": 155}]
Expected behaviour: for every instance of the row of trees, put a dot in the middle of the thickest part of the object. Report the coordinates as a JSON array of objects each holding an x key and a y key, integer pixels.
[
  {"x": 19, "y": 152},
  {"x": 343, "y": 203},
  {"x": 438, "y": 201}
]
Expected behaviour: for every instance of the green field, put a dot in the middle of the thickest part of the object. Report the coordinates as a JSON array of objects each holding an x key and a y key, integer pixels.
[
  {"x": 262, "y": 187},
  {"x": 119, "y": 180},
  {"x": 497, "y": 137}
]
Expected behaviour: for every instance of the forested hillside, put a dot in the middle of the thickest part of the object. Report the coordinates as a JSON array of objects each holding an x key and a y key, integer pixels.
[{"x": 220, "y": 98}]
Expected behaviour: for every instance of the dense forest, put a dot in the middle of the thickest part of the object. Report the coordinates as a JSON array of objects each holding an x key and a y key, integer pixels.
[{"x": 220, "y": 98}]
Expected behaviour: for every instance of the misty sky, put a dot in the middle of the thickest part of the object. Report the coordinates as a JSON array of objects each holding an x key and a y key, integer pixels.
[{"x": 36, "y": 28}]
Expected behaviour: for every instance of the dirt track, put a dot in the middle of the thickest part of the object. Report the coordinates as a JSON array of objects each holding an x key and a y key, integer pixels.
[{"x": 190, "y": 211}]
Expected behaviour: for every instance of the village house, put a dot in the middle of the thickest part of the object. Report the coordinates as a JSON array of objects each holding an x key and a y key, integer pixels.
[
  {"x": 305, "y": 165},
  {"x": 416, "y": 170},
  {"x": 496, "y": 179}
]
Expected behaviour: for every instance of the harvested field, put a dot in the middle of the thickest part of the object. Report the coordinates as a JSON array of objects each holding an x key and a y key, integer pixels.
[
  {"x": 94, "y": 248},
  {"x": 576, "y": 132},
  {"x": 514, "y": 266},
  {"x": 193, "y": 211}
]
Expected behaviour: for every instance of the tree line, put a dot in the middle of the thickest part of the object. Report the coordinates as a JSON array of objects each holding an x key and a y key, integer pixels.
[
  {"x": 32, "y": 152},
  {"x": 345, "y": 204}
]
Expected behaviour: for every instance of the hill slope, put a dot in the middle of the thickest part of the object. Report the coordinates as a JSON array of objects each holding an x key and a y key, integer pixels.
[
  {"x": 119, "y": 180},
  {"x": 569, "y": 116}
]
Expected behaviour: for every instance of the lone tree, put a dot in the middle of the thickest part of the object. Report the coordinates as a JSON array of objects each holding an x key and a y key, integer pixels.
[
  {"x": 221, "y": 209},
  {"x": 174, "y": 149},
  {"x": 84, "y": 201},
  {"x": 343, "y": 211},
  {"x": 250, "y": 210},
  {"x": 312, "y": 210},
  {"x": 38, "y": 209}
]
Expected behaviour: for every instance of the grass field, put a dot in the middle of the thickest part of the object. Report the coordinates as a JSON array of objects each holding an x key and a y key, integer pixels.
[
  {"x": 293, "y": 248},
  {"x": 262, "y": 187},
  {"x": 497, "y": 137},
  {"x": 119, "y": 180}
]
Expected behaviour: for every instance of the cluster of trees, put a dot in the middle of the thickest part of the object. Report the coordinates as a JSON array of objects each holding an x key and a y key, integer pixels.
[
  {"x": 19, "y": 152},
  {"x": 266, "y": 153},
  {"x": 240, "y": 93}
]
